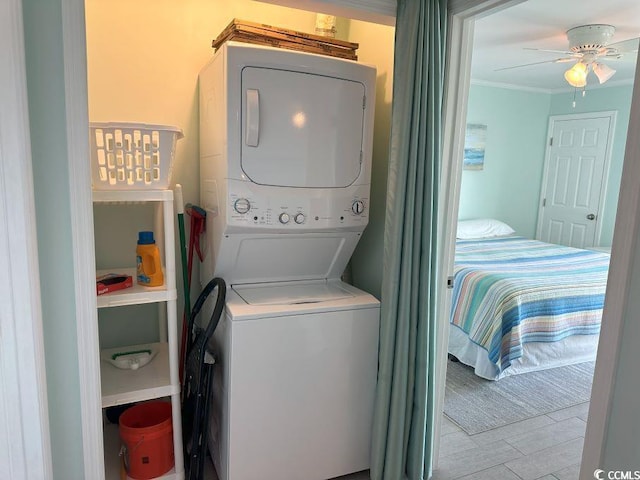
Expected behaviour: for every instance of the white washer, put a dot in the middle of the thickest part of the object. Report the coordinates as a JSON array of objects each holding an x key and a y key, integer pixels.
[{"x": 296, "y": 382}]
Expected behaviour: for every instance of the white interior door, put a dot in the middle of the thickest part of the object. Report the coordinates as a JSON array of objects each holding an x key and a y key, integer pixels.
[{"x": 575, "y": 176}]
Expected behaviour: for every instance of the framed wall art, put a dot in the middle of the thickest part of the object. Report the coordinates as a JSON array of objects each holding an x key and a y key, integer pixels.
[{"x": 474, "y": 144}]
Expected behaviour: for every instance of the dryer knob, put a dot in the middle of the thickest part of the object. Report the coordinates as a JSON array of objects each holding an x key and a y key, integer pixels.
[
  {"x": 284, "y": 217},
  {"x": 357, "y": 207},
  {"x": 299, "y": 218},
  {"x": 242, "y": 205}
]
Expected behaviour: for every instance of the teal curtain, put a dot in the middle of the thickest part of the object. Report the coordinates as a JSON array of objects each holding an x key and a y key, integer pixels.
[{"x": 405, "y": 398}]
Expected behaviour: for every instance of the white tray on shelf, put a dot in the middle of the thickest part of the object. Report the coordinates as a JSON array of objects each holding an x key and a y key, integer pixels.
[{"x": 127, "y": 386}]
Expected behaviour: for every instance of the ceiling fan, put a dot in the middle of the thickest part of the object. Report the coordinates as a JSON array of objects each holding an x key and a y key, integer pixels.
[{"x": 588, "y": 47}]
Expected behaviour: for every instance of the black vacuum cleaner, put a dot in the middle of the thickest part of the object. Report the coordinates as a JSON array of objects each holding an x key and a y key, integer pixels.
[{"x": 197, "y": 382}]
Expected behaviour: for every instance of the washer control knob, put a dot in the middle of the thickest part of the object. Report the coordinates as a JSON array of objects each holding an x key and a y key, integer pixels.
[
  {"x": 284, "y": 217},
  {"x": 357, "y": 207},
  {"x": 299, "y": 218},
  {"x": 242, "y": 205}
]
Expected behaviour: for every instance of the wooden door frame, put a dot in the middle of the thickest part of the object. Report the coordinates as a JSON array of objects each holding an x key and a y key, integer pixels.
[{"x": 612, "y": 115}]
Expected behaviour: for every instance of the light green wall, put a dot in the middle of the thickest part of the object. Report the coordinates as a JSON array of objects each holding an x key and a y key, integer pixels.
[
  {"x": 599, "y": 100},
  {"x": 45, "y": 82},
  {"x": 376, "y": 48},
  {"x": 508, "y": 187}
]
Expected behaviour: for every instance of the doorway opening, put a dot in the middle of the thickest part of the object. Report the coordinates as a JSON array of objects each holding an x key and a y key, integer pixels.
[{"x": 510, "y": 188}]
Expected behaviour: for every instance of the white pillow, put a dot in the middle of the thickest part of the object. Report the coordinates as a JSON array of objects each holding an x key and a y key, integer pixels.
[{"x": 482, "y": 228}]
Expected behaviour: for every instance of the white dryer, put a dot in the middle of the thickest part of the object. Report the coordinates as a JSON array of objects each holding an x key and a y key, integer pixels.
[
  {"x": 285, "y": 167},
  {"x": 285, "y": 162}
]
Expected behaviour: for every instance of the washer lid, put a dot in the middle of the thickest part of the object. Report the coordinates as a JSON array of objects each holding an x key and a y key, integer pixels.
[{"x": 291, "y": 293}]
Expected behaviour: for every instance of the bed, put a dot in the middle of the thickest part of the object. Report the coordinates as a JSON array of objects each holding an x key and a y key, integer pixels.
[{"x": 521, "y": 305}]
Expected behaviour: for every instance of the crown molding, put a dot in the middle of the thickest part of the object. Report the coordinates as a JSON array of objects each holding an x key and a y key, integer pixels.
[
  {"x": 510, "y": 86},
  {"x": 376, "y": 11},
  {"x": 549, "y": 91},
  {"x": 609, "y": 84}
]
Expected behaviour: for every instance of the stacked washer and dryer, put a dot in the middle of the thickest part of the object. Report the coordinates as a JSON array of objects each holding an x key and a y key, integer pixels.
[{"x": 285, "y": 167}]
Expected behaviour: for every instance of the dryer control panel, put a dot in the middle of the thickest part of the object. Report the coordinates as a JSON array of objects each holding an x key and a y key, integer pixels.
[{"x": 298, "y": 209}]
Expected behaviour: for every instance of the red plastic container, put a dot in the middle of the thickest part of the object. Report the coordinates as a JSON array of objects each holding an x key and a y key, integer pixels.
[{"x": 146, "y": 432}]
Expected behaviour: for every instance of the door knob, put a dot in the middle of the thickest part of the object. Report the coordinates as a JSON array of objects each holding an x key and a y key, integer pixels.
[{"x": 591, "y": 216}]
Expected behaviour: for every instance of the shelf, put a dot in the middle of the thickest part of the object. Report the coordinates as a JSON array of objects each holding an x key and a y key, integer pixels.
[
  {"x": 134, "y": 295},
  {"x": 127, "y": 386},
  {"x": 112, "y": 459},
  {"x": 125, "y": 196},
  {"x": 159, "y": 378}
]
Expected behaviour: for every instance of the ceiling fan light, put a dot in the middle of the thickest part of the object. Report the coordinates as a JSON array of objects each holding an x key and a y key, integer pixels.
[
  {"x": 576, "y": 76},
  {"x": 603, "y": 72}
]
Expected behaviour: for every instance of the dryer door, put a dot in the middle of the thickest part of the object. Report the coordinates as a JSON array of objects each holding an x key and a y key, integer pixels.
[{"x": 301, "y": 129}]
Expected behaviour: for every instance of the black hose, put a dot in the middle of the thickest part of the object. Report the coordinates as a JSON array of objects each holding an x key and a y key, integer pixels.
[{"x": 217, "y": 311}]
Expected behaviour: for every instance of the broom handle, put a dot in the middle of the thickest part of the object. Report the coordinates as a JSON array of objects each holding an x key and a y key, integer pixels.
[{"x": 185, "y": 279}]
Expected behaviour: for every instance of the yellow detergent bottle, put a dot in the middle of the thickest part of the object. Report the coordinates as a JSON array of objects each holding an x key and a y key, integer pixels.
[{"x": 149, "y": 266}]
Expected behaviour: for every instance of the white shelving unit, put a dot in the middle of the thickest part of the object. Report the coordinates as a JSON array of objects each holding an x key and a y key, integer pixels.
[{"x": 159, "y": 378}]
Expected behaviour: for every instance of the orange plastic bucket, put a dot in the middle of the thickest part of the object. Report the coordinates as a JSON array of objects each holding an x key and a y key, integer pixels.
[{"x": 146, "y": 432}]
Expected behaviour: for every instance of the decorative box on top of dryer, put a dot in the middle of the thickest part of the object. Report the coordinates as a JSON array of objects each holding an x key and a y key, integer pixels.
[{"x": 262, "y": 34}]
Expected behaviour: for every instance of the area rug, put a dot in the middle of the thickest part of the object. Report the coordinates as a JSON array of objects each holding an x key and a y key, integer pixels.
[{"x": 478, "y": 405}]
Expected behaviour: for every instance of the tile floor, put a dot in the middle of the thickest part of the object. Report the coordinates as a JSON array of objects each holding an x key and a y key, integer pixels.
[
  {"x": 548, "y": 447},
  {"x": 210, "y": 474}
]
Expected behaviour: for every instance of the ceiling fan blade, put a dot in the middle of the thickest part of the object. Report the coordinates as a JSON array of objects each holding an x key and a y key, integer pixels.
[
  {"x": 630, "y": 45},
  {"x": 557, "y": 60},
  {"x": 630, "y": 57},
  {"x": 564, "y": 52}
]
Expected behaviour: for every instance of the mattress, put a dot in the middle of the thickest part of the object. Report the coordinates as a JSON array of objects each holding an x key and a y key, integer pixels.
[{"x": 512, "y": 291}]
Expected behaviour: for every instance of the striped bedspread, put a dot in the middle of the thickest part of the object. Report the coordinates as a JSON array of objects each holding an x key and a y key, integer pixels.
[{"x": 510, "y": 290}]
